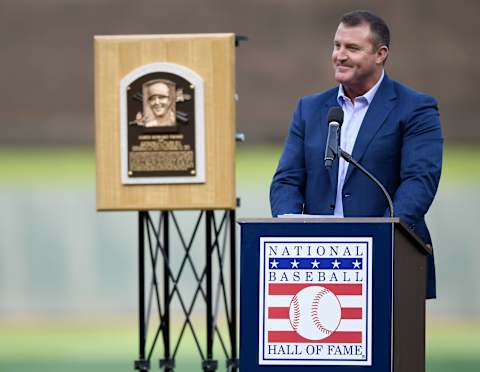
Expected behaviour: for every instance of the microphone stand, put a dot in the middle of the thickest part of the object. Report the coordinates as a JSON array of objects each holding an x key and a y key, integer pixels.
[{"x": 348, "y": 158}]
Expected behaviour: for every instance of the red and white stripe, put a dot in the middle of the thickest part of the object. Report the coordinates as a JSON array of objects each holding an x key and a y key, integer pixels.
[{"x": 351, "y": 324}]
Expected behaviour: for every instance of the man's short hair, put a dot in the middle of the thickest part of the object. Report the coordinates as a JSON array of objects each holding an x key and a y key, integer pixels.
[{"x": 379, "y": 28}]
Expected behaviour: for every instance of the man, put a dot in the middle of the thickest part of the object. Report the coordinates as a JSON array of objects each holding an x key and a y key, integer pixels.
[
  {"x": 159, "y": 104},
  {"x": 392, "y": 130}
]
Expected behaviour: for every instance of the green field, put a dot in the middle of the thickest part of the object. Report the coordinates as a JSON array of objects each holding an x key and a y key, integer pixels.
[
  {"x": 254, "y": 163},
  {"x": 94, "y": 346}
]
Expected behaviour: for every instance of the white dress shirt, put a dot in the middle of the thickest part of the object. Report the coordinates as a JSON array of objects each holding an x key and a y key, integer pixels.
[{"x": 353, "y": 114}]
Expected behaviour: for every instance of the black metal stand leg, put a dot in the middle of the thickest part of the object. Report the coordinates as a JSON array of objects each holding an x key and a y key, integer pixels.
[
  {"x": 141, "y": 364},
  {"x": 208, "y": 264},
  {"x": 232, "y": 364},
  {"x": 167, "y": 363},
  {"x": 209, "y": 365}
]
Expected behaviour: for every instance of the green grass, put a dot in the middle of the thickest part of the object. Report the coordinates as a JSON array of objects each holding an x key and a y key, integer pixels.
[
  {"x": 453, "y": 346},
  {"x": 112, "y": 346},
  {"x": 76, "y": 165},
  {"x": 461, "y": 164},
  {"x": 83, "y": 346},
  {"x": 37, "y": 166}
]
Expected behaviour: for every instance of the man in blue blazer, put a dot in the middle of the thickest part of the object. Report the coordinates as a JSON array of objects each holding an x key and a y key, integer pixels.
[{"x": 392, "y": 130}]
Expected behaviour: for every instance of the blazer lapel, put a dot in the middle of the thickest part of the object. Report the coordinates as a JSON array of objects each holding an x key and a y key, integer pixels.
[{"x": 381, "y": 105}]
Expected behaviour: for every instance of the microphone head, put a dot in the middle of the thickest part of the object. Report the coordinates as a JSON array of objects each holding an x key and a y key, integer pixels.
[{"x": 335, "y": 114}]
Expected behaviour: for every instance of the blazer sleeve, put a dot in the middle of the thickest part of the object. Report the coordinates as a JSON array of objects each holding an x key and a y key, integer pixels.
[
  {"x": 288, "y": 184},
  {"x": 421, "y": 162}
]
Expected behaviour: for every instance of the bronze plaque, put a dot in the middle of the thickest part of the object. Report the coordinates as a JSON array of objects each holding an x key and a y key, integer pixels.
[
  {"x": 161, "y": 126},
  {"x": 161, "y": 134}
]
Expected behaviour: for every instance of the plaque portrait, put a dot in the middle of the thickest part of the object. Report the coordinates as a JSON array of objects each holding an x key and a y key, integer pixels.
[{"x": 162, "y": 125}]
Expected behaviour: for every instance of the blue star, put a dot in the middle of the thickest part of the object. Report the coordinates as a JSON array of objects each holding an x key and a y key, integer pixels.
[
  {"x": 294, "y": 264},
  {"x": 274, "y": 264},
  {"x": 315, "y": 264}
]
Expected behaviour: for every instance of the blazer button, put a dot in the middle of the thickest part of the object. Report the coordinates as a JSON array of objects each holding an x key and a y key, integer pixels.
[
  {"x": 332, "y": 207},
  {"x": 347, "y": 195}
]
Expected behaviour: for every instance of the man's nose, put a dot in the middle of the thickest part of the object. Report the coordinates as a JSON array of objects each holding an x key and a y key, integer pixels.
[{"x": 341, "y": 55}]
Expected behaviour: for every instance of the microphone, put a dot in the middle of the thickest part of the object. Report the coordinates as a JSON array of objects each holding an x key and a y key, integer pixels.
[{"x": 335, "y": 120}]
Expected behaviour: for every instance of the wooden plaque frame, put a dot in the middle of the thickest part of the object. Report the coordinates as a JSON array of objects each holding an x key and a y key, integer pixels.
[{"x": 212, "y": 57}]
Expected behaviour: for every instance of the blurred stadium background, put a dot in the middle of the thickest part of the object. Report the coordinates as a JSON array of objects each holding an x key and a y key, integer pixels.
[{"x": 68, "y": 274}]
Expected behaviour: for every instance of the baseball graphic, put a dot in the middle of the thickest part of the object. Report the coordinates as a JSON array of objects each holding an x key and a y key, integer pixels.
[{"x": 315, "y": 312}]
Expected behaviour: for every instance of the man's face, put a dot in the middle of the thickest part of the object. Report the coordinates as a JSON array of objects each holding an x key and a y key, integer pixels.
[
  {"x": 159, "y": 99},
  {"x": 357, "y": 62}
]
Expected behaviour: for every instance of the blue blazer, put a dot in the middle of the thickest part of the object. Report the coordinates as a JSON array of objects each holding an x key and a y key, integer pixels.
[{"x": 400, "y": 142}]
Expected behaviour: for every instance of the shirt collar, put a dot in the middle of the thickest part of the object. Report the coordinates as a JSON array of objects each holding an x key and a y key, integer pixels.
[{"x": 368, "y": 96}]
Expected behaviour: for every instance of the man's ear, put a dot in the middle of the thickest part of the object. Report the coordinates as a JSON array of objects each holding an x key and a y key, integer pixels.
[{"x": 382, "y": 54}]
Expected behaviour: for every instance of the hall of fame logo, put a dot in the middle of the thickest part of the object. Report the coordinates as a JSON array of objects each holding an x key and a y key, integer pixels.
[{"x": 315, "y": 301}]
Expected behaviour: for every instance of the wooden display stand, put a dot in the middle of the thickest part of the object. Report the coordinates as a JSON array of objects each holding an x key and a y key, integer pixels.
[
  {"x": 212, "y": 57},
  {"x": 165, "y": 141}
]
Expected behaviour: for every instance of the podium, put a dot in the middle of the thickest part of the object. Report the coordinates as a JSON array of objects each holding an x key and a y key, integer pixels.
[{"x": 332, "y": 294}]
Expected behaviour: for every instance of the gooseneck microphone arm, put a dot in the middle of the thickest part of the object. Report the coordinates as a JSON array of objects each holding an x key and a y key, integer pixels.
[{"x": 348, "y": 158}]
